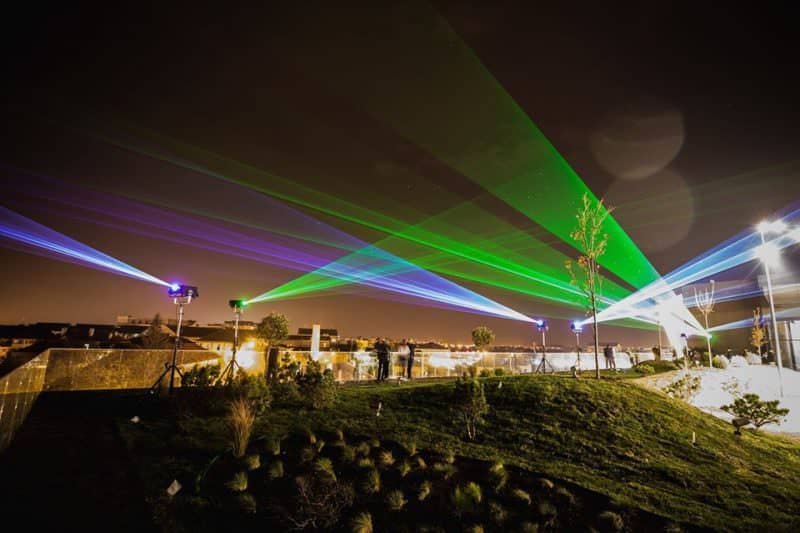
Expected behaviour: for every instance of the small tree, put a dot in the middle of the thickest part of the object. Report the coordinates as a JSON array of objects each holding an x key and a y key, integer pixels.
[
  {"x": 470, "y": 402},
  {"x": 154, "y": 338},
  {"x": 272, "y": 329},
  {"x": 586, "y": 276},
  {"x": 756, "y": 410},
  {"x": 757, "y": 334},
  {"x": 482, "y": 337}
]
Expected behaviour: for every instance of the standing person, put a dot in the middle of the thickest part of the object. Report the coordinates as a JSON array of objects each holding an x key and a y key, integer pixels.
[
  {"x": 608, "y": 352},
  {"x": 402, "y": 356},
  {"x": 382, "y": 349},
  {"x": 412, "y": 347}
]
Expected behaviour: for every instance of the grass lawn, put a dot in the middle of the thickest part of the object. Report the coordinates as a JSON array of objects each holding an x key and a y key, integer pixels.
[{"x": 611, "y": 437}]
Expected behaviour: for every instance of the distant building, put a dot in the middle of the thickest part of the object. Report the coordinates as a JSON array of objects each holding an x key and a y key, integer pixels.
[{"x": 302, "y": 340}]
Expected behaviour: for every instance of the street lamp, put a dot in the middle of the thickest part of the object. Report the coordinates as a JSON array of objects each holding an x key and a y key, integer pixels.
[
  {"x": 768, "y": 253},
  {"x": 576, "y": 328}
]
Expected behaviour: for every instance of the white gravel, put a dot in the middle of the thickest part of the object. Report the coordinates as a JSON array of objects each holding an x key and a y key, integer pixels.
[{"x": 758, "y": 379}]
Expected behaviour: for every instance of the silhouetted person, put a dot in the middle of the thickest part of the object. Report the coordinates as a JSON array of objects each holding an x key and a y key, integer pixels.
[
  {"x": 382, "y": 350},
  {"x": 412, "y": 347},
  {"x": 608, "y": 352}
]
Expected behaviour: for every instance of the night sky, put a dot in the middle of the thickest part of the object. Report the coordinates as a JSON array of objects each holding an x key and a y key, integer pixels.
[{"x": 661, "y": 109}]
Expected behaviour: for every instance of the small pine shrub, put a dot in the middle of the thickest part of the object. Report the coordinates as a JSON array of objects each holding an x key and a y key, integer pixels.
[
  {"x": 403, "y": 468},
  {"x": 469, "y": 401},
  {"x": 252, "y": 461},
  {"x": 348, "y": 454},
  {"x": 410, "y": 448},
  {"x": 238, "y": 482},
  {"x": 317, "y": 386},
  {"x": 720, "y": 361},
  {"x": 395, "y": 500},
  {"x": 521, "y": 496},
  {"x": 307, "y": 454},
  {"x": 371, "y": 482},
  {"x": 545, "y": 484},
  {"x": 385, "y": 459},
  {"x": 498, "y": 476},
  {"x": 201, "y": 376},
  {"x": 324, "y": 467},
  {"x": 246, "y": 503},
  {"x": 645, "y": 370},
  {"x": 254, "y": 389},
  {"x": 275, "y": 469},
  {"x": 565, "y": 498},
  {"x": 366, "y": 462},
  {"x": 424, "y": 491},
  {"x": 499, "y": 372},
  {"x": 610, "y": 522},
  {"x": 363, "y": 449},
  {"x": 485, "y": 373},
  {"x": 444, "y": 469},
  {"x": 361, "y": 523},
  {"x": 756, "y": 410},
  {"x": 497, "y": 513}
]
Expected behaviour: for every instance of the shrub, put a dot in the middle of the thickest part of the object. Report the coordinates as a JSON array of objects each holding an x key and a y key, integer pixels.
[
  {"x": 385, "y": 459},
  {"x": 275, "y": 469},
  {"x": 448, "y": 456},
  {"x": 424, "y": 490},
  {"x": 246, "y": 503},
  {"x": 252, "y": 461},
  {"x": 469, "y": 401},
  {"x": 521, "y": 496},
  {"x": 317, "y": 387},
  {"x": 201, "y": 376},
  {"x": 240, "y": 421},
  {"x": 498, "y": 475},
  {"x": 254, "y": 389},
  {"x": 720, "y": 361},
  {"x": 361, "y": 523},
  {"x": 348, "y": 454},
  {"x": 683, "y": 388},
  {"x": 404, "y": 468},
  {"x": 485, "y": 373},
  {"x": 610, "y": 522},
  {"x": 363, "y": 449},
  {"x": 324, "y": 468},
  {"x": 272, "y": 446},
  {"x": 645, "y": 370},
  {"x": 498, "y": 513},
  {"x": 238, "y": 482},
  {"x": 463, "y": 500},
  {"x": 474, "y": 491},
  {"x": 421, "y": 464},
  {"x": 756, "y": 410},
  {"x": 285, "y": 393},
  {"x": 371, "y": 482},
  {"x": 395, "y": 500},
  {"x": 499, "y": 372},
  {"x": 317, "y": 502},
  {"x": 444, "y": 469}
]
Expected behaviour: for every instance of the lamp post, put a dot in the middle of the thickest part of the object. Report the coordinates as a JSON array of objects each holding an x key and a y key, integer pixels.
[
  {"x": 777, "y": 227},
  {"x": 576, "y": 329}
]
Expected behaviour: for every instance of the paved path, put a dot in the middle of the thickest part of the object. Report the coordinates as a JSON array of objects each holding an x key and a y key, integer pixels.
[{"x": 67, "y": 468}]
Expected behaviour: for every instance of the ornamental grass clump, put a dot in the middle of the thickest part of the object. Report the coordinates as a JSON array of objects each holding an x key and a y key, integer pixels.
[
  {"x": 361, "y": 523},
  {"x": 239, "y": 421},
  {"x": 396, "y": 500}
]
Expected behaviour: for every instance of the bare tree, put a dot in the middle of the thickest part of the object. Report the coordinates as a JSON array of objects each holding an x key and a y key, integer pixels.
[
  {"x": 705, "y": 303},
  {"x": 592, "y": 242},
  {"x": 757, "y": 334}
]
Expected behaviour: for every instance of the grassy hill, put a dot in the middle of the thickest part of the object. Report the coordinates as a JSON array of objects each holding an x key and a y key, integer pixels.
[{"x": 612, "y": 437}]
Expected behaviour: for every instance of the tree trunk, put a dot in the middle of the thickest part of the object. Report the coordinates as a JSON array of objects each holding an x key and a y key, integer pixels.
[{"x": 596, "y": 341}]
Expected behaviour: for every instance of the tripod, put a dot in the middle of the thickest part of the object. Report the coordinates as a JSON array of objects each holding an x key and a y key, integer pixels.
[
  {"x": 229, "y": 371},
  {"x": 171, "y": 367},
  {"x": 543, "y": 363}
]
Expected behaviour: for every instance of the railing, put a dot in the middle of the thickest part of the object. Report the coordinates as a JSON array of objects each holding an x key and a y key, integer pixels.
[
  {"x": 18, "y": 392},
  {"x": 362, "y": 366}
]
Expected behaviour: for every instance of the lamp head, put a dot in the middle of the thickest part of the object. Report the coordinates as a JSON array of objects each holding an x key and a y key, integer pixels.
[
  {"x": 177, "y": 290},
  {"x": 541, "y": 324},
  {"x": 237, "y": 305},
  {"x": 576, "y": 326}
]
